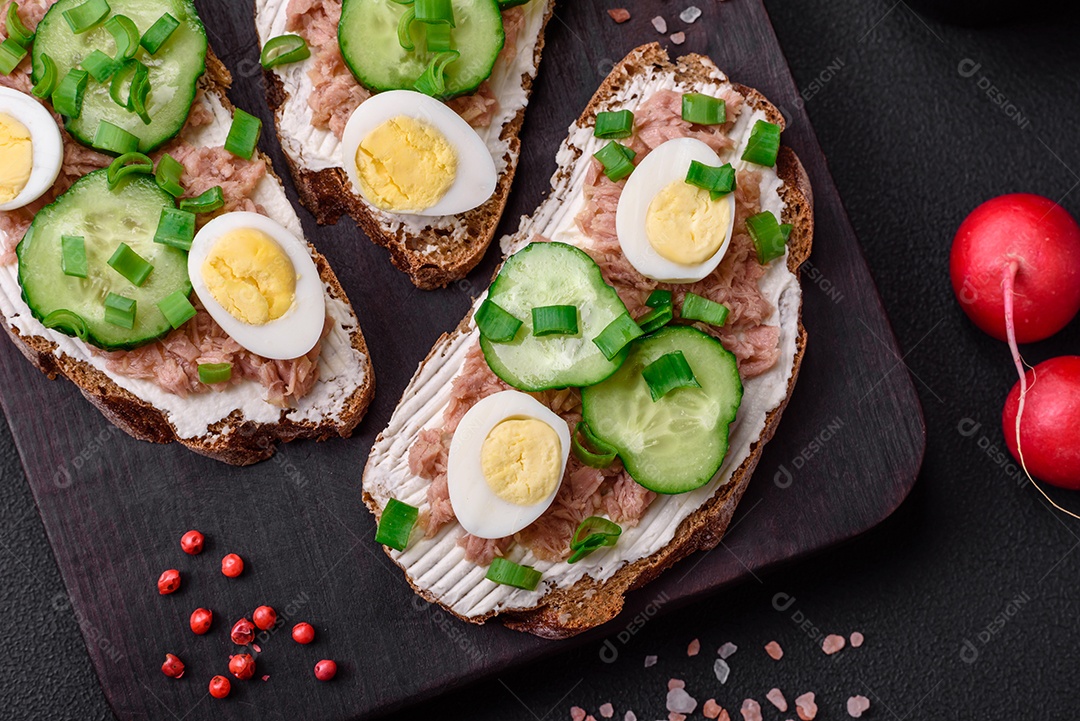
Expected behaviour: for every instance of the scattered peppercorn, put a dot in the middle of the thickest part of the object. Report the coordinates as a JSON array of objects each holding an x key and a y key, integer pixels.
[
  {"x": 325, "y": 670},
  {"x": 201, "y": 618},
  {"x": 242, "y": 665},
  {"x": 168, "y": 582},
  {"x": 173, "y": 666},
  {"x": 243, "y": 632},
  {"x": 303, "y": 633},
  {"x": 232, "y": 565},
  {"x": 220, "y": 687},
  {"x": 192, "y": 543},
  {"x": 264, "y": 617}
]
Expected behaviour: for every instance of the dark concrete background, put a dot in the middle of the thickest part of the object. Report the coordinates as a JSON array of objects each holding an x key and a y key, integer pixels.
[{"x": 968, "y": 595}]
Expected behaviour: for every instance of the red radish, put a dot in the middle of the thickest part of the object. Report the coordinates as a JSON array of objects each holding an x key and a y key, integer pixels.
[
  {"x": 1030, "y": 243},
  {"x": 1050, "y": 436}
]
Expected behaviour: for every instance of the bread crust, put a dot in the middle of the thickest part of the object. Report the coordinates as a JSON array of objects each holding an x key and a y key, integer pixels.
[
  {"x": 247, "y": 442},
  {"x": 328, "y": 195}
]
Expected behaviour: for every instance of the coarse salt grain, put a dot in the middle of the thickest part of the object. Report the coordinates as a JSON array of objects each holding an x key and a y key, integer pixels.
[
  {"x": 266, "y": 677},
  {"x": 690, "y": 14},
  {"x": 773, "y": 649},
  {"x": 832, "y": 644},
  {"x": 630, "y": 716},
  {"x": 660, "y": 24},
  {"x": 721, "y": 669},
  {"x": 619, "y": 15},
  {"x": 677, "y": 38},
  {"x": 806, "y": 707},
  {"x": 727, "y": 650},
  {"x": 751, "y": 710},
  {"x": 607, "y": 710},
  {"x": 650, "y": 661},
  {"x": 856, "y": 639},
  {"x": 857, "y": 705},
  {"x": 678, "y": 701},
  {"x": 675, "y": 683},
  {"x": 776, "y": 698},
  {"x": 577, "y": 713},
  {"x": 711, "y": 709},
  {"x": 256, "y": 647},
  {"x": 694, "y": 648},
  {"x": 676, "y": 716}
]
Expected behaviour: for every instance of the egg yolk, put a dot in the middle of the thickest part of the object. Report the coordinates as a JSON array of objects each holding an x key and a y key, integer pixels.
[
  {"x": 249, "y": 274},
  {"x": 16, "y": 157},
  {"x": 521, "y": 459},
  {"x": 405, "y": 164},
  {"x": 685, "y": 225}
]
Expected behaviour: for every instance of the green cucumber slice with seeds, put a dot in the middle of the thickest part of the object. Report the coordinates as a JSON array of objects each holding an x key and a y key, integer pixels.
[
  {"x": 174, "y": 70},
  {"x": 104, "y": 218},
  {"x": 368, "y": 35},
  {"x": 678, "y": 443},
  {"x": 543, "y": 274}
]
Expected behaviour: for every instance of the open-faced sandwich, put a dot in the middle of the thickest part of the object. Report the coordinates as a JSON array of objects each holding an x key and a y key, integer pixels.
[
  {"x": 405, "y": 115},
  {"x": 147, "y": 251},
  {"x": 599, "y": 413}
]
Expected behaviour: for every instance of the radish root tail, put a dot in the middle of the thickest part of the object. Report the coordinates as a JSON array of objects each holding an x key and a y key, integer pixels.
[{"x": 1010, "y": 329}]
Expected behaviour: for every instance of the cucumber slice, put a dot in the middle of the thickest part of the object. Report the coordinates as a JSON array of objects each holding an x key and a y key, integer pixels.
[
  {"x": 368, "y": 35},
  {"x": 174, "y": 70},
  {"x": 678, "y": 443},
  {"x": 104, "y": 218},
  {"x": 543, "y": 274}
]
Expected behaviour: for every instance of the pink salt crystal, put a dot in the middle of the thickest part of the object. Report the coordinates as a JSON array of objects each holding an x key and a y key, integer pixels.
[
  {"x": 674, "y": 683},
  {"x": 677, "y": 38},
  {"x": 723, "y": 716},
  {"x": 694, "y": 648},
  {"x": 266, "y": 677},
  {"x": 773, "y": 649},
  {"x": 711, "y": 709},
  {"x": 856, "y": 639},
  {"x": 806, "y": 707},
  {"x": 832, "y": 644},
  {"x": 630, "y": 716},
  {"x": 679, "y": 701},
  {"x": 619, "y": 15},
  {"x": 776, "y": 698},
  {"x": 727, "y": 650},
  {"x": 660, "y": 24},
  {"x": 675, "y": 716},
  {"x": 256, "y": 647},
  {"x": 650, "y": 661},
  {"x": 607, "y": 710},
  {"x": 577, "y": 713},
  {"x": 856, "y": 705},
  {"x": 751, "y": 710}
]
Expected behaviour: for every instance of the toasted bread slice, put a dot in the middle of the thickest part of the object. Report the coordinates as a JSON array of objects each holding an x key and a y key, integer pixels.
[
  {"x": 235, "y": 426},
  {"x": 574, "y": 598},
  {"x": 432, "y": 251}
]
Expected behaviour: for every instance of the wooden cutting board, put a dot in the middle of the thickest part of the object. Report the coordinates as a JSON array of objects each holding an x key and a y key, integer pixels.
[{"x": 845, "y": 456}]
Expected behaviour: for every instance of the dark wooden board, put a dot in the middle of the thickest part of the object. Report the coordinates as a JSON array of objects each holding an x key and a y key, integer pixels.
[{"x": 845, "y": 456}]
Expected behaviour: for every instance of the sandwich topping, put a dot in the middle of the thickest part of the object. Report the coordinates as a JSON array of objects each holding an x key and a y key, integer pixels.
[{"x": 405, "y": 163}]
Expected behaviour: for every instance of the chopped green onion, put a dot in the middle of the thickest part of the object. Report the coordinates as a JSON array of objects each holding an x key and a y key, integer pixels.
[
  {"x": 437, "y": 37},
  {"x": 243, "y": 134},
  {"x": 589, "y": 449},
  {"x": 47, "y": 84},
  {"x": 130, "y": 264},
  {"x": 284, "y": 49},
  {"x": 114, "y": 139},
  {"x": 703, "y": 109},
  {"x": 656, "y": 318},
  {"x": 208, "y": 202},
  {"x": 617, "y": 335},
  {"x": 122, "y": 73},
  {"x": 168, "y": 175},
  {"x": 764, "y": 144},
  {"x": 84, "y": 17},
  {"x": 67, "y": 322},
  {"x": 658, "y": 298},
  {"x": 11, "y": 54},
  {"x": 786, "y": 229},
  {"x": 100, "y": 66},
  {"x": 719, "y": 181},
  {"x": 507, "y": 4},
  {"x": 555, "y": 320},
  {"x": 396, "y": 524},
  {"x": 695, "y": 307},
  {"x": 176, "y": 308},
  {"x": 435, "y": 11},
  {"x": 509, "y": 573},
  {"x": 120, "y": 311},
  {"x": 16, "y": 29},
  {"x": 667, "y": 373},
  {"x": 127, "y": 164},
  {"x": 176, "y": 228},
  {"x": 73, "y": 255},
  {"x": 433, "y": 81},
  {"x": 496, "y": 324},
  {"x": 211, "y": 373},
  {"x": 126, "y": 36},
  {"x": 617, "y": 160},
  {"x": 404, "y": 36},
  {"x": 593, "y": 533},
  {"x": 159, "y": 33},
  {"x": 67, "y": 98},
  {"x": 139, "y": 92},
  {"x": 768, "y": 238},
  {"x": 618, "y": 124}
]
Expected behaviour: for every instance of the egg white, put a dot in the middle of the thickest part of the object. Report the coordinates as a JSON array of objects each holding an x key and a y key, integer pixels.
[
  {"x": 666, "y": 164},
  {"x": 48, "y": 145},
  {"x": 478, "y": 509},
  {"x": 476, "y": 178},
  {"x": 293, "y": 334}
]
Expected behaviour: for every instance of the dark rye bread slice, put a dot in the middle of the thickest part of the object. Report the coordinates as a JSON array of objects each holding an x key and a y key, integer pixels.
[
  {"x": 328, "y": 195},
  {"x": 565, "y": 612},
  {"x": 248, "y": 442}
]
